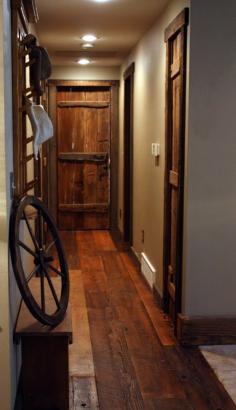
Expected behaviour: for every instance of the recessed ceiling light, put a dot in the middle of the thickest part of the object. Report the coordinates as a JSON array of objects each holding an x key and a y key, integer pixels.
[
  {"x": 89, "y": 38},
  {"x": 83, "y": 61},
  {"x": 87, "y": 45},
  {"x": 101, "y": 1}
]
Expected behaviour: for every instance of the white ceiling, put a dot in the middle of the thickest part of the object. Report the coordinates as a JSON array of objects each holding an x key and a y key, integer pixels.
[{"x": 119, "y": 24}]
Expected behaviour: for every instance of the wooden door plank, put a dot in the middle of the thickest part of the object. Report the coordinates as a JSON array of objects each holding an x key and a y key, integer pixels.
[
  {"x": 83, "y": 104},
  {"x": 83, "y": 156}
]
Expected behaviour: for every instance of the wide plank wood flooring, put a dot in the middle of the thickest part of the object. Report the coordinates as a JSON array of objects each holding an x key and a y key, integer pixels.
[{"x": 124, "y": 354}]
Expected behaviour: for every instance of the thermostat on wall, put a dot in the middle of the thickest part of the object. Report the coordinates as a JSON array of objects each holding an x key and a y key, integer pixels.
[{"x": 156, "y": 149}]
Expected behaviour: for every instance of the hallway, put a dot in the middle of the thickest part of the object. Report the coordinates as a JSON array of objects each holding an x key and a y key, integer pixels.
[{"x": 127, "y": 346}]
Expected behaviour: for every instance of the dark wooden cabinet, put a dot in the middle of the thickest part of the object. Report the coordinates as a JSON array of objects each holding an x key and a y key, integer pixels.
[{"x": 45, "y": 362}]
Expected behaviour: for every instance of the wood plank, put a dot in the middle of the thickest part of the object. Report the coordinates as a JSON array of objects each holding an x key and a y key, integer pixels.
[
  {"x": 171, "y": 289},
  {"x": 97, "y": 208},
  {"x": 160, "y": 321},
  {"x": 84, "y": 104},
  {"x": 80, "y": 352},
  {"x": 175, "y": 68},
  {"x": 181, "y": 20},
  {"x": 83, "y": 393},
  {"x": 31, "y": 10},
  {"x": 174, "y": 179},
  {"x": 134, "y": 366},
  {"x": 83, "y": 156},
  {"x": 195, "y": 331}
]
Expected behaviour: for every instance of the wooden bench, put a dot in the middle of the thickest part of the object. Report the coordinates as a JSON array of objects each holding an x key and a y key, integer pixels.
[{"x": 45, "y": 361}]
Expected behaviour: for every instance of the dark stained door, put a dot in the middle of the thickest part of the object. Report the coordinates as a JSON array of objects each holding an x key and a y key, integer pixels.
[
  {"x": 175, "y": 37},
  {"x": 83, "y": 157}
]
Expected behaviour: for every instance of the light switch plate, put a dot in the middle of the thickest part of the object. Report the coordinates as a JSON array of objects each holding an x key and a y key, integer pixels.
[{"x": 155, "y": 149}]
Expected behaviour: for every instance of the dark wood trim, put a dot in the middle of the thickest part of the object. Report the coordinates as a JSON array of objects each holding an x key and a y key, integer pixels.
[
  {"x": 199, "y": 330},
  {"x": 83, "y": 83},
  {"x": 166, "y": 239},
  {"x": 180, "y": 21},
  {"x": 114, "y": 147},
  {"x": 118, "y": 239},
  {"x": 52, "y": 152},
  {"x": 129, "y": 71},
  {"x": 83, "y": 156},
  {"x": 113, "y": 85},
  {"x": 137, "y": 262},
  {"x": 31, "y": 10},
  {"x": 128, "y": 154},
  {"x": 179, "y": 24},
  {"x": 158, "y": 298}
]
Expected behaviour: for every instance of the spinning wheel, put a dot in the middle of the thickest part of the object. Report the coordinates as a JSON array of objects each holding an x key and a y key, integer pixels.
[{"x": 38, "y": 256}]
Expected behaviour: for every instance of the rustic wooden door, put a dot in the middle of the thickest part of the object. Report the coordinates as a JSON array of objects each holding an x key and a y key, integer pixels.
[
  {"x": 83, "y": 157},
  {"x": 175, "y": 37}
]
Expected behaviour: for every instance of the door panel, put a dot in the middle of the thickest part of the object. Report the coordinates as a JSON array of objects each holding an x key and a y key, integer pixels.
[
  {"x": 83, "y": 145},
  {"x": 176, "y": 37}
]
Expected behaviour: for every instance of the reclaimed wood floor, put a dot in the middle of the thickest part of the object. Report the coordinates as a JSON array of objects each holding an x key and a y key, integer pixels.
[{"x": 124, "y": 354}]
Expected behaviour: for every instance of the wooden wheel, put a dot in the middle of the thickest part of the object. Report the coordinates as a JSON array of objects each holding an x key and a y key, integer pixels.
[{"x": 38, "y": 261}]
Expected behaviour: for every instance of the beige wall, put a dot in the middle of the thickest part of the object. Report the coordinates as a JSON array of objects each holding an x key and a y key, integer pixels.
[
  {"x": 149, "y": 127},
  {"x": 210, "y": 280},
  {"x": 85, "y": 73}
]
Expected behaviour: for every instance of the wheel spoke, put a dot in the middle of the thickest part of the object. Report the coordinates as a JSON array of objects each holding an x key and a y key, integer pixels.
[
  {"x": 50, "y": 245},
  {"x": 55, "y": 270},
  {"x": 27, "y": 249},
  {"x": 52, "y": 288},
  {"x": 40, "y": 229},
  {"x": 32, "y": 273},
  {"x": 31, "y": 232},
  {"x": 42, "y": 291}
]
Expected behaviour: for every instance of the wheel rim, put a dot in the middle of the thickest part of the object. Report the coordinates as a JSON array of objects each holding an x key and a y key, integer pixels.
[{"x": 39, "y": 261}]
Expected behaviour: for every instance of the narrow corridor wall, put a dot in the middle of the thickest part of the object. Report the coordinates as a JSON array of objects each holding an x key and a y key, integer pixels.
[
  {"x": 210, "y": 277},
  {"x": 149, "y": 126}
]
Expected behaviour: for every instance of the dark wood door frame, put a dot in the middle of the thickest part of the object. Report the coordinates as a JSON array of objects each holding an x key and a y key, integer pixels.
[
  {"x": 128, "y": 154},
  {"x": 179, "y": 25},
  {"x": 52, "y": 145}
]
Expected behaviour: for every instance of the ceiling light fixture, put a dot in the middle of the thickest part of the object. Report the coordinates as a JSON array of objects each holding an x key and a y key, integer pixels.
[
  {"x": 101, "y": 1},
  {"x": 83, "y": 61},
  {"x": 89, "y": 38},
  {"x": 87, "y": 45}
]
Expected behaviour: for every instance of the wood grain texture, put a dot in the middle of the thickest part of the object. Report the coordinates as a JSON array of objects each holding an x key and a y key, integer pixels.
[
  {"x": 137, "y": 361},
  {"x": 83, "y": 132},
  {"x": 100, "y": 98},
  {"x": 176, "y": 44},
  {"x": 195, "y": 331}
]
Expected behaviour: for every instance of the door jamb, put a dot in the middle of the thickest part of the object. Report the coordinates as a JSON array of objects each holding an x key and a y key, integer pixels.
[
  {"x": 179, "y": 24},
  {"x": 128, "y": 156}
]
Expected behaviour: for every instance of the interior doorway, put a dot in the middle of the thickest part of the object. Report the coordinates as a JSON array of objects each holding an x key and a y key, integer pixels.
[
  {"x": 83, "y": 182},
  {"x": 128, "y": 153},
  {"x": 176, "y": 41}
]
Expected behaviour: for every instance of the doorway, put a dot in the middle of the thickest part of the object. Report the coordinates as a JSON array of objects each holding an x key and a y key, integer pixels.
[
  {"x": 128, "y": 154},
  {"x": 176, "y": 42},
  {"x": 83, "y": 182}
]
